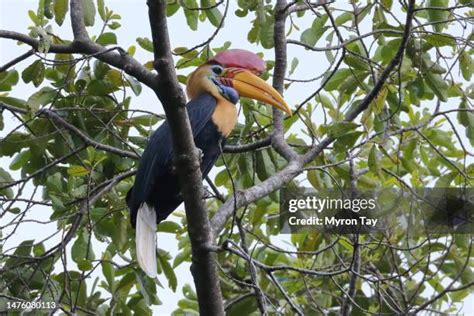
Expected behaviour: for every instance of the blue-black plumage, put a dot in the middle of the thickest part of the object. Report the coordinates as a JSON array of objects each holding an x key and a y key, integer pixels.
[{"x": 157, "y": 183}]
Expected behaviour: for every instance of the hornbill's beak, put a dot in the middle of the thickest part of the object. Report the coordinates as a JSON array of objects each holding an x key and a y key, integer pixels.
[{"x": 250, "y": 86}]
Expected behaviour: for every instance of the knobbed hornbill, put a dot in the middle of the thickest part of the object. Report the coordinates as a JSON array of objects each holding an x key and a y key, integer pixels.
[{"x": 213, "y": 89}]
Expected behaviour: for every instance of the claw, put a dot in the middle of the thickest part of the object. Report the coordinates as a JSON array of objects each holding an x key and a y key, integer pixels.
[{"x": 201, "y": 155}]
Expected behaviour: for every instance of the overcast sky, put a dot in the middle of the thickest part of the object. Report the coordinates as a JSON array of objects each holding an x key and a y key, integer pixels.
[{"x": 13, "y": 16}]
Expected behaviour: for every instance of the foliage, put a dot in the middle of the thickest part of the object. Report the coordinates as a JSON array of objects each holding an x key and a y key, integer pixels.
[{"x": 419, "y": 128}]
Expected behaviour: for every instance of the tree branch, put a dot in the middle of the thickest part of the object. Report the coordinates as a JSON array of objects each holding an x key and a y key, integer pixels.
[
  {"x": 12, "y": 109},
  {"x": 167, "y": 89},
  {"x": 77, "y": 22},
  {"x": 279, "y": 39},
  {"x": 55, "y": 48},
  {"x": 235, "y": 149},
  {"x": 16, "y": 60}
]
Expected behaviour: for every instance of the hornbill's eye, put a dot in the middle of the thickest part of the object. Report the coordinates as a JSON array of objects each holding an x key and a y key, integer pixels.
[{"x": 218, "y": 70}]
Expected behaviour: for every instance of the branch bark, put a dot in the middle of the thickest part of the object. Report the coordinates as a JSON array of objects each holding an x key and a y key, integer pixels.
[
  {"x": 17, "y": 60},
  {"x": 279, "y": 39},
  {"x": 167, "y": 89}
]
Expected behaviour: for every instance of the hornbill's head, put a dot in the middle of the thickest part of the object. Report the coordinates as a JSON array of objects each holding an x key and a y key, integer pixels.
[{"x": 233, "y": 73}]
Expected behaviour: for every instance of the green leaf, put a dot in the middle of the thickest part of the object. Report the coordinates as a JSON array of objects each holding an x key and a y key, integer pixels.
[
  {"x": 57, "y": 203},
  {"x": 169, "y": 273},
  {"x": 145, "y": 43},
  {"x": 294, "y": 64},
  {"x": 115, "y": 25},
  {"x": 339, "y": 129},
  {"x": 98, "y": 213},
  {"x": 24, "y": 248},
  {"x": 346, "y": 141},
  {"x": 184, "y": 255},
  {"x": 355, "y": 62},
  {"x": 169, "y": 227},
  {"x": 19, "y": 103},
  {"x": 436, "y": 16},
  {"x": 100, "y": 87},
  {"x": 189, "y": 292},
  {"x": 107, "y": 38},
  {"x": 373, "y": 162},
  {"x": 108, "y": 270},
  {"x": 266, "y": 33},
  {"x": 78, "y": 171},
  {"x": 40, "y": 11},
  {"x": 89, "y": 12},
  {"x": 60, "y": 10},
  {"x": 134, "y": 84},
  {"x": 379, "y": 101},
  {"x": 8, "y": 79},
  {"x": 339, "y": 76},
  {"x": 344, "y": 242},
  {"x": 146, "y": 120},
  {"x": 466, "y": 118},
  {"x": 20, "y": 160},
  {"x": 313, "y": 34},
  {"x": 343, "y": 18},
  {"x": 214, "y": 15},
  {"x": 34, "y": 17},
  {"x": 138, "y": 140},
  {"x": 125, "y": 285},
  {"x": 54, "y": 183},
  {"x": 84, "y": 264},
  {"x": 390, "y": 49},
  {"x": 172, "y": 8},
  {"x": 48, "y": 13},
  {"x": 191, "y": 305},
  {"x": 439, "y": 40},
  {"x": 101, "y": 9},
  {"x": 5, "y": 179},
  {"x": 441, "y": 138},
  {"x": 192, "y": 16},
  {"x": 466, "y": 65},
  {"x": 437, "y": 85},
  {"x": 262, "y": 163},
  {"x": 44, "y": 96},
  {"x": 34, "y": 73},
  {"x": 244, "y": 306},
  {"x": 147, "y": 288},
  {"x": 387, "y": 3},
  {"x": 81, "y": 249}
]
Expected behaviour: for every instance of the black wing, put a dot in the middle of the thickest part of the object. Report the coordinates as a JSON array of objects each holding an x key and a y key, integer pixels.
[{"x": 156, "y": 161}]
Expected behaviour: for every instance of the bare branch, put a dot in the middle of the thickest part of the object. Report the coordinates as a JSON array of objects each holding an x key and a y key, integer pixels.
[
  {"x": 279, "y": 39},
  {"x": 16, "y": 60},
  {"x": 55, "y": 48},
  {"x": 235, "y": 149},
  {"x": 203, "y": 267}
]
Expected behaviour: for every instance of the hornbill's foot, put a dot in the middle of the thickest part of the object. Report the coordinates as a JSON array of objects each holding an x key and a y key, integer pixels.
[
  {"x": 201, "y": 155},
  {"x": 207, "y": 193}
]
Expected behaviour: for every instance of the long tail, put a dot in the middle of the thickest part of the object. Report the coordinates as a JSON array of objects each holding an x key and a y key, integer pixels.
[{"x": 145, "y": 238}]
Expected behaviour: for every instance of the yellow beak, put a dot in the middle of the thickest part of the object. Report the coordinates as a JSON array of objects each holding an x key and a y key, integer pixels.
[{"x": 250, "y": 86}]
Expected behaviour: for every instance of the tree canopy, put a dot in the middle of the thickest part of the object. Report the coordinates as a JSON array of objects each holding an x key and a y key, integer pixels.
[{"x": 393, "y": 109}]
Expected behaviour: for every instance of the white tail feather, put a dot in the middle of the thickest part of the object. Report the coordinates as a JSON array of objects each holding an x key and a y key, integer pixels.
[{"x": 145, "y": 238}]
